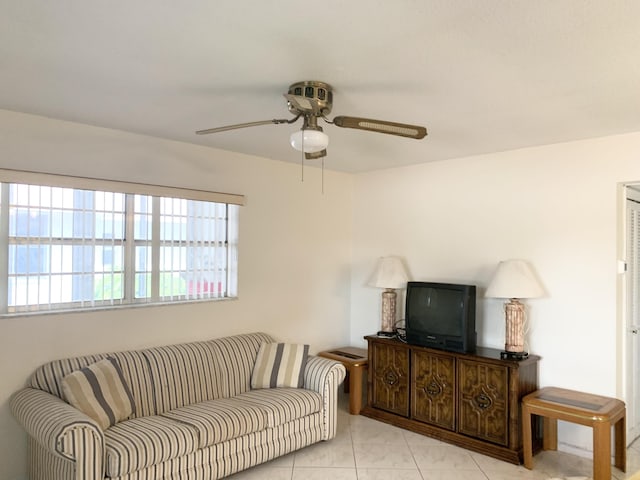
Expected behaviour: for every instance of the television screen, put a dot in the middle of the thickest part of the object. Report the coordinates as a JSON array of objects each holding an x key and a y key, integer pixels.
[
  {"x": 436, "y": 311},
  {"x": 441, "y": 315}
]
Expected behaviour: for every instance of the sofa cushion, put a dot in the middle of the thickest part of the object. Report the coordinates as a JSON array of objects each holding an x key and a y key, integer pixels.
[
  {"x": 141, "y": 442},
  {"x": 220, "y": 420},
  {"x": 279, "y": 365},
  {"x": 236, "y": 357},
  {"x": 48, "y": 377},
  {"x": 283, "y": 405},
  {"x": 99, "y": 390},
  {"x": 135, "y": 369},
  {"x": 184, "y": 374}
]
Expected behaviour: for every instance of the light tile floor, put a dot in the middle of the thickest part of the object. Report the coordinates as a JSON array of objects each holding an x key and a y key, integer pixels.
[{"x": 365, "y": 449}]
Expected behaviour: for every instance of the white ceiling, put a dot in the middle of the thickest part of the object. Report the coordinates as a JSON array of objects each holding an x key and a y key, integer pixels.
[{"x": 481, "y": 75}]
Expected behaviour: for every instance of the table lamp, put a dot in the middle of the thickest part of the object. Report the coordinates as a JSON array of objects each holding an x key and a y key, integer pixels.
[
  {"x": 514, "y": 279},
  {"x": 390, "y": 274}
]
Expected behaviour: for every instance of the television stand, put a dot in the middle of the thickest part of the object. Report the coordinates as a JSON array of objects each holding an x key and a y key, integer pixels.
[{"x": 467, "y": 399}]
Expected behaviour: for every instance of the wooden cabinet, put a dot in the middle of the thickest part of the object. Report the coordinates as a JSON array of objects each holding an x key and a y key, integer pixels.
[{"x": 470, "y": 400}]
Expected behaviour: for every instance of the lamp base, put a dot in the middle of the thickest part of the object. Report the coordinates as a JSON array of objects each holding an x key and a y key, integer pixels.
[
  {"x": 514, "y": 323},
  {"x": 388, "y": 311},
  {"x": 513, "y": 355}
]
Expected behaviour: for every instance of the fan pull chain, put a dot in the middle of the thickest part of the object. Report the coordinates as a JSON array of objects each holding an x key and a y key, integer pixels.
[{"x": 302, "y": 158}]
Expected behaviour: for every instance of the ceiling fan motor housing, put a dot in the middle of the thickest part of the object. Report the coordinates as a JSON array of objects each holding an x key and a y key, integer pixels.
[{"x": 320, "y": 92}]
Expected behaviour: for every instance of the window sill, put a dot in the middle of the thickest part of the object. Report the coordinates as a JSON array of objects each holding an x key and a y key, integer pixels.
[{"x": 85, "y": 310}]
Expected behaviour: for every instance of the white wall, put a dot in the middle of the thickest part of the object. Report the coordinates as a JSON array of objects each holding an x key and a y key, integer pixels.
[
  {"x": 555, "y": 206},
  {"x": 295, "y": 254},
  {"x": 305, "y": 257}
]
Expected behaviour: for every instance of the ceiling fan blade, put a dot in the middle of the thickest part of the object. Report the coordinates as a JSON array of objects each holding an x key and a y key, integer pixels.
[
  {"x": 382, "y": 126},
  {"x": 315, "y": 155},
  {"x": 244, "y": 125}
]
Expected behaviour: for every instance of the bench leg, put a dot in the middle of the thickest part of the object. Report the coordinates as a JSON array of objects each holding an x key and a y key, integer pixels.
[
  {"x": 601, "y": 451},
  {"x": 549, "y": 433},
  {"x": 355, "y": 386},
  {"x": 527, "y": 447},
  {"x": 621, "y": 444}
]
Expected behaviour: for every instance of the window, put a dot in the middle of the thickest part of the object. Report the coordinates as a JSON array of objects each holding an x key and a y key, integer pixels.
[{"x": 65, "y": 247}]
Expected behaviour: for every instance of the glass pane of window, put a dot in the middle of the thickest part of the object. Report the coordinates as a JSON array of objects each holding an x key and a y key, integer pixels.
[
  {"x": 173, "y": 258},
  {"x": 40, "y": 211},
  {"x": 108, "y": 286},
  {"x": 143, "y": 210},
  {"x": 142, "y": 285},
  {"x": 203, "y": 286},
  {"x": 143, "y": 269},
  {"x": 61, "y": 258},
  {"x": 25, "y": 259},
  {"x": 108, "y": 258},
  {"x": 143, "y": 258},
  {"x": 39, "y": 290},
  {"x": 172, "y": 284}
]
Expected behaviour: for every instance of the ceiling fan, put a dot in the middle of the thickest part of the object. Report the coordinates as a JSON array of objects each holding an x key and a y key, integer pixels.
[{"x": 312, "y": 100}]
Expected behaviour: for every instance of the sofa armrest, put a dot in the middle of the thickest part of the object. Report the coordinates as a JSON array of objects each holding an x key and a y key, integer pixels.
[
  {"x": 61, "y": 429},
  {"x": 325, "y": 376}
]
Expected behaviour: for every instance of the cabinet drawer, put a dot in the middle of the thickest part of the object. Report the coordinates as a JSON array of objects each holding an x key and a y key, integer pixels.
[
  {"x": 433, "y": 388},
  {"x": 483, "y": 404}
]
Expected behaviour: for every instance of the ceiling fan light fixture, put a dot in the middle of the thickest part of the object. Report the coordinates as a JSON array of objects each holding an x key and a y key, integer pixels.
[{"x": 312, "y": 140}]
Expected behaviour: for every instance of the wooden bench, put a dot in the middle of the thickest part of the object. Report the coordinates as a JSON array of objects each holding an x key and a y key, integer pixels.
[
  {"x": 355, "y": 361},
  {"x": 600, "y": 413}
]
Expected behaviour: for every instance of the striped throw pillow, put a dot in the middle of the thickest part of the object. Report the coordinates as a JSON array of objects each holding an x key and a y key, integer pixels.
[
  {"x": 279, "y": 365},
  {"x": 100, "y": 391}
]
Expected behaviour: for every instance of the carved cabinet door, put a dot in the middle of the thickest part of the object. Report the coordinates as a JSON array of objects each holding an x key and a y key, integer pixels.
[
  {"x": 483, "y": 401},
  {"x": 390, "y": 377},
  {"x": 433, "y": 389}
]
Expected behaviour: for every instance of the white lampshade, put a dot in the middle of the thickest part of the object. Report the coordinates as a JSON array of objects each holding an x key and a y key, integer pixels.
[
  {"x": 514, "y": 279},
  {"x": 313, "y": 140},
  {"x": 389, "y": 273}
]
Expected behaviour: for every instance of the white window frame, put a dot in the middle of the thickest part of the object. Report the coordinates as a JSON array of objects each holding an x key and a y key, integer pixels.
[{"x": 229, "y": 202}]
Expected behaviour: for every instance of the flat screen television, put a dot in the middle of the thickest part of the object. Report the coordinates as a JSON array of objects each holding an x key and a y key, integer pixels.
[{"x": 441, "y": 315}]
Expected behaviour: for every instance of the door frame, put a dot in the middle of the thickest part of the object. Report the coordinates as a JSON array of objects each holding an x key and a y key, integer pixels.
[{"x": 623, "y": 360}]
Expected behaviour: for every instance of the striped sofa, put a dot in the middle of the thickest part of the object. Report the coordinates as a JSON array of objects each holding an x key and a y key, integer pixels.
[{"x": 195, "y": 416}]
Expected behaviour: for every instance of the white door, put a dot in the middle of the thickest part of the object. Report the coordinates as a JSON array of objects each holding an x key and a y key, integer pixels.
[{"x": 632, "y": 323}]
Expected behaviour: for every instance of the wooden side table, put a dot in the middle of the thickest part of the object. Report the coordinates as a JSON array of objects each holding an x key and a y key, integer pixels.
[
  {"x": 355, "y": 361},
  {"x": 594, "y": 411}
]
